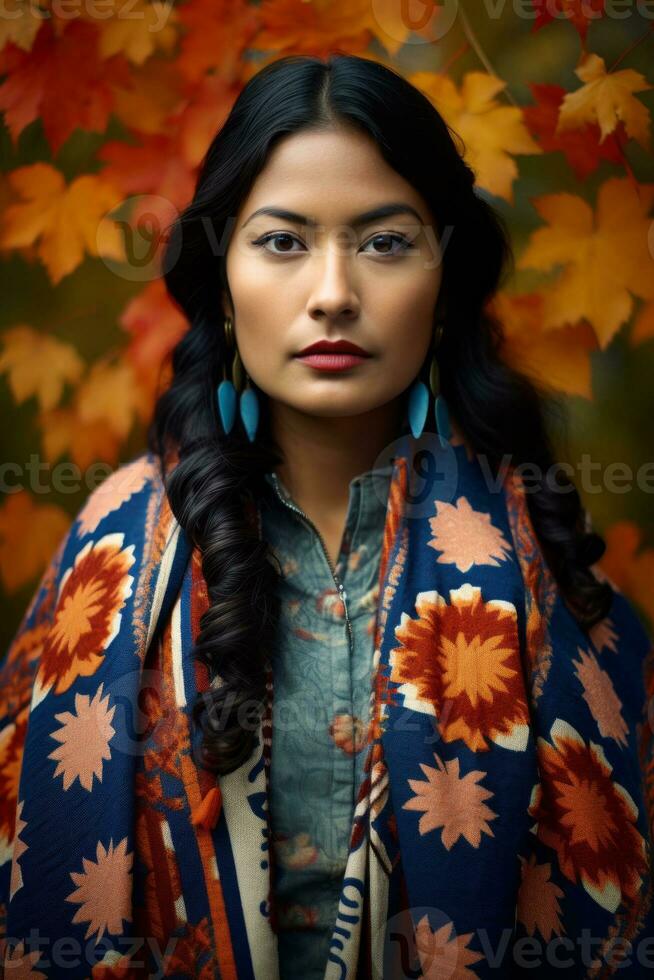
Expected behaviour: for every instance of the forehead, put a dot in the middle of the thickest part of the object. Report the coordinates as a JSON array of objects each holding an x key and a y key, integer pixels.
[{"x": 331, "y": 175}]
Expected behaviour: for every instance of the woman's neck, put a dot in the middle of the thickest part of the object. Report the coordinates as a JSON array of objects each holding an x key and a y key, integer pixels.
[{"x": 322, "y": 455}]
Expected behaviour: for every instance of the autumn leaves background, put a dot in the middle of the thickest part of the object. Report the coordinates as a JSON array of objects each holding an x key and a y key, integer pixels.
[{"x": 108, "y": 108}]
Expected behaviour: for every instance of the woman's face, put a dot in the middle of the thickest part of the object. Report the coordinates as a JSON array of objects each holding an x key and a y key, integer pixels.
[{"x": 326, "y": 274}]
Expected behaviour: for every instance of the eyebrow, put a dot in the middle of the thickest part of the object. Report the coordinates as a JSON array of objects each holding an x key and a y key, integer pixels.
[{"x": 375, "y": 214}]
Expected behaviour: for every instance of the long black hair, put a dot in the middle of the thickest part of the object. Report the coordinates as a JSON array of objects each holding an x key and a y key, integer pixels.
[{"x": 216, "y": 477}]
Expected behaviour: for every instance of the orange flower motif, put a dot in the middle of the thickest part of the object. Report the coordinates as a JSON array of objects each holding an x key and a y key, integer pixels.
[
  {"x": 87, "y": 615},
  {"x": 587, "y": 818},
  {"x": 348, "y": 732},
  {"x": 295, "y": 852},
  {"x": 460, "y": 661},
  {"x": 466, "y": 537},
  {"x": 12, "y": 740}
]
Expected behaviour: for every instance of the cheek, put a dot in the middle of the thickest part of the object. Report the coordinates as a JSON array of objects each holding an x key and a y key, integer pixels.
[{"x": 409, "y": 322}]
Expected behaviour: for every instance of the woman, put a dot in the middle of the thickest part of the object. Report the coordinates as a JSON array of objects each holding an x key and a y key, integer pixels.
[{"x": 452, "y": 777}]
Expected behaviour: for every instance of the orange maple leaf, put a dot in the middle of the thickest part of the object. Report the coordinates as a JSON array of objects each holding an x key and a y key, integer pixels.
[
  {"x": 29, "y": 535},
  {"x": 156, "y": 166},
  {"x": 490, "y": 131},
  {"x": 582, "y": 146},
  {"x": 605, "y": 255},
  {"x": 153, "y": 92},
  {"x": 628, "y": 565},
  {"x": 556, "y": 359},
  {"x": 63, "y": 219},
  {"x": 156, "y": 325},
  {"x": 607, "y": 99},
  {"x": 199, "y": 119},
  {"x": 38, "y": 364},
  {"x": 62, "y": 80},
  {"x": 216, "y": 34},
  {"x": 314, "y": 28}
]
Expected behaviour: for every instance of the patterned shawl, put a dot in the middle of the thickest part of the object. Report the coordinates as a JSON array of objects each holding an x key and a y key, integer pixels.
[{"x": 503, "y": 827}]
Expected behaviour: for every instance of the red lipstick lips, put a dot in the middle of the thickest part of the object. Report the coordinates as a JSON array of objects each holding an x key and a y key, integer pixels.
[
  {"x": 336, "y": 355},
  {"x": 333, "y": 347}
]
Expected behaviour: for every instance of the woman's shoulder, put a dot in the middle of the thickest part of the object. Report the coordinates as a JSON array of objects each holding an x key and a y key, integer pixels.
[
  {"x": 119, "y": 533},
  {"x": 123, "y": 496}
]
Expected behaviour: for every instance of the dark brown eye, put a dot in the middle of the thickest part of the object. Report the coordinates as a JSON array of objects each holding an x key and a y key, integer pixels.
[
  {"x": 387, "y": 241},
  {"x": 287, "y": 241}
]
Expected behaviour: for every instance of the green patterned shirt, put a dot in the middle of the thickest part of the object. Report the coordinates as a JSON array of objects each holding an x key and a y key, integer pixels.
[{"x": 322, "y": 675}]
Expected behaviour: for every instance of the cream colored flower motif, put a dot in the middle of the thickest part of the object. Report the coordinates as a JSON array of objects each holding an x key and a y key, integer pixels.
[
  {"x": 539, "y": 908},
  {"x": 466, "y": 537},
  {"x": 443, "y": 954},
  {"x": 104, "y": 890},
  {"x": 452, "y": 802},
  {"x": 600, "y": 696},
  {"x": 84, "y": 738},
  {"x": 20, "y": 847},
  {"x": 20, "y": 965},
  {"x": 603, "y": 635}
]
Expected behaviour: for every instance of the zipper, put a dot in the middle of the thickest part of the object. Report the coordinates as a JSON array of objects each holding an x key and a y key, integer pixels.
[{"x": 339, "y": 585}]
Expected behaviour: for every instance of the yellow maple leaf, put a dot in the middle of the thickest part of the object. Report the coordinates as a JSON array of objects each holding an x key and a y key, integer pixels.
[
  {"x": 38, "y": 364},
  {"x": 109, "y": 394},
  {"x": 605, "y": 255},
  {"x": 63, "y": 219},
  {"x": 29, "y": 535},
  {"x": 19, "y": 24},
  {"x": 490, "y": 131},
  {"x": 146, "y": 28},
  {"x": 64, "y": 433},
  {"x": 607, "y": 99}
]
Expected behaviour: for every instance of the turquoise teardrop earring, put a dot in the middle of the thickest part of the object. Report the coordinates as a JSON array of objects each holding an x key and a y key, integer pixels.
[
  {"x": 228, "y": 389},
  {"x": 418, "y": 406}
]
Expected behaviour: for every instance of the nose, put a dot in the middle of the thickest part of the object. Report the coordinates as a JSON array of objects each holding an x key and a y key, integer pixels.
[{"x": 333, "y": 294}]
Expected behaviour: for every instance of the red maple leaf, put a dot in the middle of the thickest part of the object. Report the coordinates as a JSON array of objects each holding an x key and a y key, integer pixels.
[
  {"x": 580, "y": 12},
  {"x": 63, "y": 80},
  {"x": 582, "y": 147}
]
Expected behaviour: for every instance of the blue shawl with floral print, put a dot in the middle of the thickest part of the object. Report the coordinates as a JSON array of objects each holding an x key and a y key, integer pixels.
[{"x": 504, "y": 824}]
